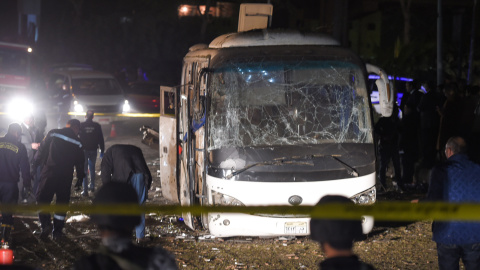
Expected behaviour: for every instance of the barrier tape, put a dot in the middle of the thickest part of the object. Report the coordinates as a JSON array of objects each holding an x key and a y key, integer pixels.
[
  {"x": 118, "y": 114},
  {"x": 382, "y": 211}
]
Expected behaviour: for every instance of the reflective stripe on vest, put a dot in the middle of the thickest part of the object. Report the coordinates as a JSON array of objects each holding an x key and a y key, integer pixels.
[{"x": 68, "y": 139}]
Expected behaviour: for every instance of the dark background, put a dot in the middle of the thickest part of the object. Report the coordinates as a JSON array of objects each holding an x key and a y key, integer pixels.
[{"x": 116, "y": 35}]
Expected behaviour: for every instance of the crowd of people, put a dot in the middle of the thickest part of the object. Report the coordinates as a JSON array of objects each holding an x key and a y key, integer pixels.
[
  {"x": 415, "y": 141},
  {"x": 50, "y": 162}
]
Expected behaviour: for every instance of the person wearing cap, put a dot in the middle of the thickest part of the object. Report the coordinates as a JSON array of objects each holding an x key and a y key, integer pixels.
[
  {"x": 91, "y": 136},
  {"x": 59, "y": 153},
  {"x": 117, "y": 251},
  {"x": 125, "y": 163},
  {"x": 336, "y": 238},
  {"x": 13, "y": 161}
]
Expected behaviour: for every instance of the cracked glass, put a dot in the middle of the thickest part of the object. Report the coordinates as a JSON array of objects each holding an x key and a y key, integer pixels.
[{"x": 275, "y": 103}]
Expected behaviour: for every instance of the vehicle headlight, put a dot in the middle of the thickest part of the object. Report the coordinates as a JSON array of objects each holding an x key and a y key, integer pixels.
[
  {"x": 225, "y": 200},
  {"x": 77, "y": 107},
  {"x": 19, "y": 108},
  {"x": 126, "y": 107},
  {"x": 368, "y": 196}
]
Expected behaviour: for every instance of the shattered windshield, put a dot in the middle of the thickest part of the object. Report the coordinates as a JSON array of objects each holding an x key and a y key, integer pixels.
[{"x": 288, "y": 103}]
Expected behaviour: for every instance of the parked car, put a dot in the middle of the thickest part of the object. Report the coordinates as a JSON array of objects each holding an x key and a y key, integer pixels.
[
  {"x": 76, "y": 91},
  {"x": 144, "y": 97}
]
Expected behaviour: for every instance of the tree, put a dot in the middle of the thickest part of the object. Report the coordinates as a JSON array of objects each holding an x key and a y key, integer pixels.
[{"x": 405, "y": 4}]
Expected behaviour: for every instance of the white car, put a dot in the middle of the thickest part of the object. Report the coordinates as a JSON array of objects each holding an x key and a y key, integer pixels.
[{"x": 89, "y": 90}]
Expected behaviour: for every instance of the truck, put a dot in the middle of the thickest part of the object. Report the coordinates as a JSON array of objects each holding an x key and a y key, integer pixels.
[
  {"x": 269, "y": 117},
  {"x": 18, "y": 89}
]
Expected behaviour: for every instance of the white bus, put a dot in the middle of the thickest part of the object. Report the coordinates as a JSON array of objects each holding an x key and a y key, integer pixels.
[{"x": 269, "y": 118}]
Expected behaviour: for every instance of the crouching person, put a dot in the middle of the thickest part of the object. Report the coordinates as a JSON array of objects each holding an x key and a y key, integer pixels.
[
  {"x": 336, "y": 238},
  {"x": 117, "y": 250}
]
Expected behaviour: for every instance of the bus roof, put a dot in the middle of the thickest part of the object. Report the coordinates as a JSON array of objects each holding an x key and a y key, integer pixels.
[{"x": 268, "y": 37}]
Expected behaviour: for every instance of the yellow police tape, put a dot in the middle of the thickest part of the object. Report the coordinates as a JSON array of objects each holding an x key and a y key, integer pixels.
[
  {"x": 118, "y": 114},
  {"x": 382, "y": 211}
]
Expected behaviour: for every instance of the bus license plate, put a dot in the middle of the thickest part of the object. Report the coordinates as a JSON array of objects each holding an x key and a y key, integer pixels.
[{"x": 296, "y": 227}]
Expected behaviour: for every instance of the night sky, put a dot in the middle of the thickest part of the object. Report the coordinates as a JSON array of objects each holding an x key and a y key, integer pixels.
[{"x": 126, "y": 34}]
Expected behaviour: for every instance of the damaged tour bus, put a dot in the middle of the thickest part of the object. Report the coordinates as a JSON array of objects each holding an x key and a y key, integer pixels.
[{"x": 269, "y": 118}]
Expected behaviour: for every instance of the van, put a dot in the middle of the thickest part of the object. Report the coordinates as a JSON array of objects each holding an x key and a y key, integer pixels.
[{"x": 77, "y": 91}]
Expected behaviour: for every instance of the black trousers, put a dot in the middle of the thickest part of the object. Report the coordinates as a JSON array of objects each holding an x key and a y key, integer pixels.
[
  {"x": 54, "y": 182},
  {"x": 387, "y": 153},
  {"x": 8, "y": 195}
]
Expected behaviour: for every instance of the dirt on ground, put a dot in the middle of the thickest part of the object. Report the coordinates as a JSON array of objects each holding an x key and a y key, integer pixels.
[{"x": 390, "y": 245}]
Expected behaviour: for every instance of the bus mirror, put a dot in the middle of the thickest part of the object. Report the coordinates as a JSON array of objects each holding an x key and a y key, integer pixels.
[{"x": 385, "y": 96}]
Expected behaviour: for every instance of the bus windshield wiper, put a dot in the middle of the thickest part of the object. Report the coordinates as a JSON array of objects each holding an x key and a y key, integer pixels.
[
  {"x": 295, "y": 160},
  {"x": 275, "y": 162},
  {"x": 349, "y": 168}
]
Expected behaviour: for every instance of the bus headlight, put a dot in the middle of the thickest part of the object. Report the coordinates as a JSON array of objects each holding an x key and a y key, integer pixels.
[
  {"x": 126, "y": 107},
  {"x": 19, "y": 108},
  {"x": 367, "y": 197},
  {"x": 77, "y": 107},
  {"x": 221, "y": 199}
]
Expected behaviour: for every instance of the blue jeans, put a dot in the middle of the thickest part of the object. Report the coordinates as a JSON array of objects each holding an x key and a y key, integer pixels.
[
  {"x": 36, "y": 179},
  {"x": 90, "y": 159},
  {"x": 449, "y": 256},
  {"x": 138, "y": 182}
]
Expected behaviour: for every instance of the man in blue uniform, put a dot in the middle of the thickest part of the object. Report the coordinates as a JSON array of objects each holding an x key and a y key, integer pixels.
[
  {"x": 92, "y": 138},
  {"x": 125, "y": 163},
  {"x": 13, "y": 160},
  {"x": 59, "y": 153}
]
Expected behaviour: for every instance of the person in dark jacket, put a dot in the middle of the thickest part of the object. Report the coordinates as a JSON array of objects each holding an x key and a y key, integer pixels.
[
  {"x": 59, "y": 153},
  {"x": 13, "y": 161},
  {"x": 28, "y": 140},
  {"x": 336, "y": 238},
  {"x": 410, "y": 124},
  {"x": 117, "y": 250},
  {"x": 429, "y": 123},
  {"x": 450, "y": 117},
  {"x": 125, "y": 163},
  {"x": 457, "y": 180},
  {"x": 388, "y": 133},
  {"x": 92, "y": 138}
]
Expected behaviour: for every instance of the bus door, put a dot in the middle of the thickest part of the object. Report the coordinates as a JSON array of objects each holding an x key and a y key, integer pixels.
[
  {"x": 191, "y": 131},
  {"x": 168, "y": 143}
]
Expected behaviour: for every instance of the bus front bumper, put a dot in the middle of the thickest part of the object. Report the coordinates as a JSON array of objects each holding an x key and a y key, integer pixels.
[{"x": 231, "y": 224}]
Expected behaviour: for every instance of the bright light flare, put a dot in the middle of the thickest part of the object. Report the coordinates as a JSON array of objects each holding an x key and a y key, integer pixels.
[
  {"x": 20, "y": 108},
  {"x": 77, "y": 107},
  {"x": 126, "y": 107}
]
